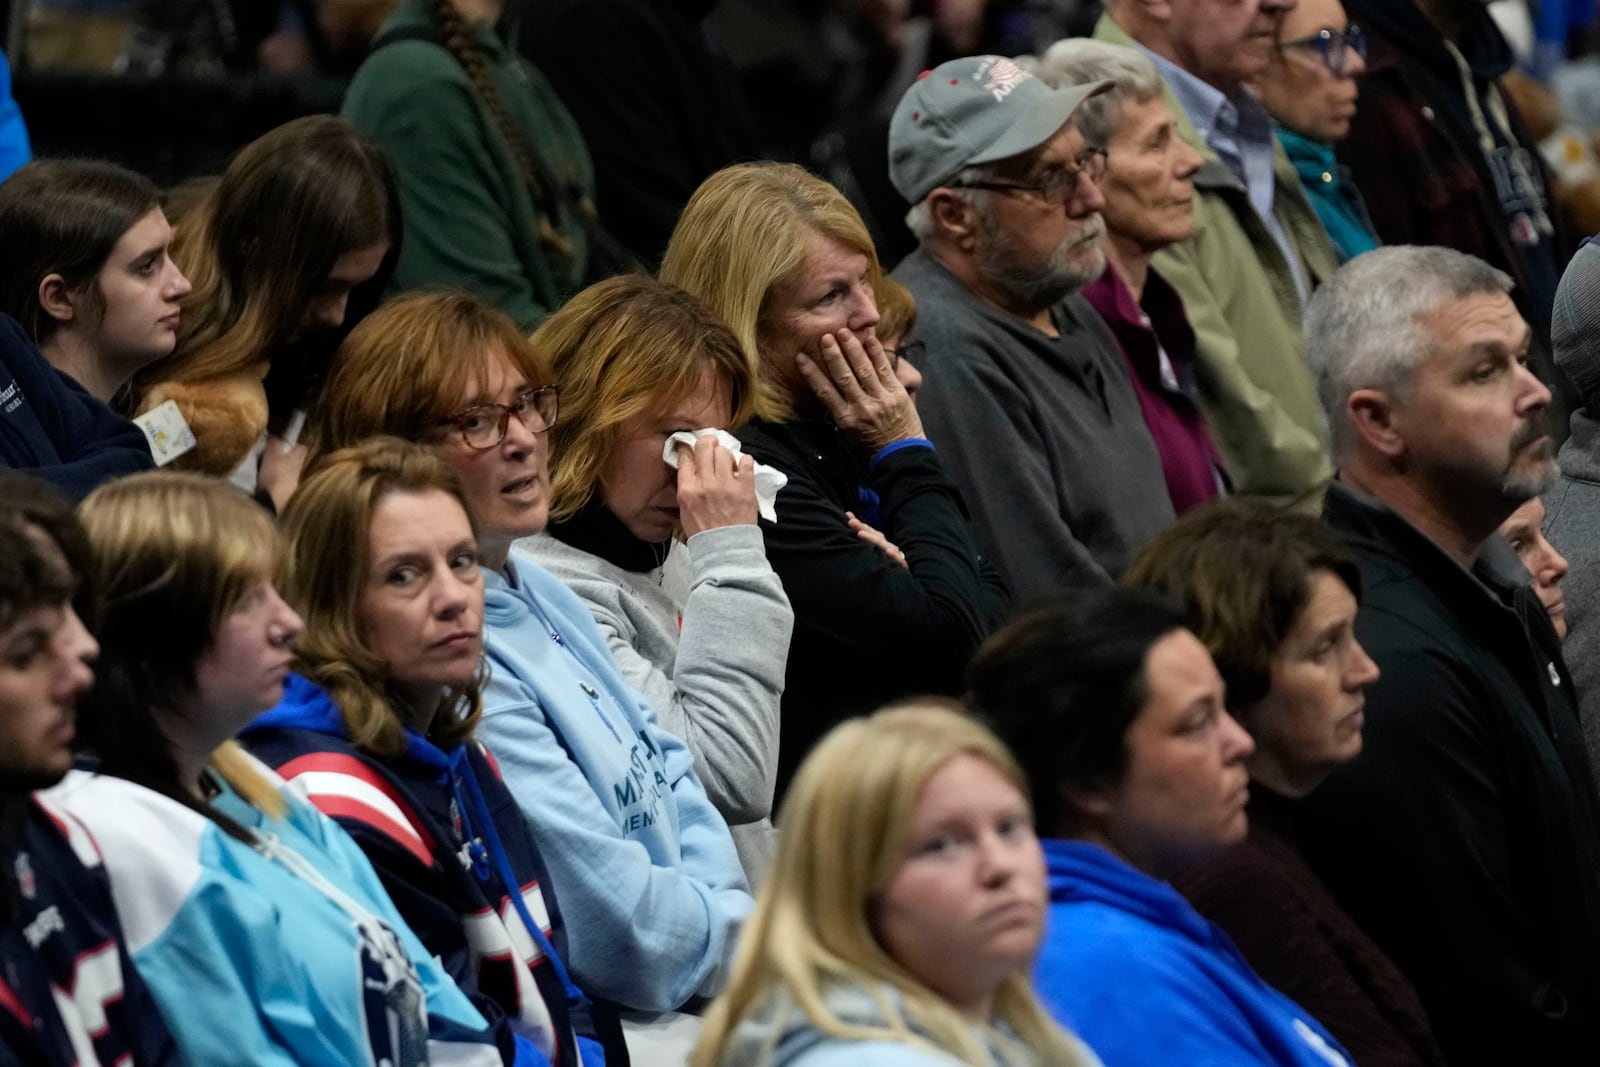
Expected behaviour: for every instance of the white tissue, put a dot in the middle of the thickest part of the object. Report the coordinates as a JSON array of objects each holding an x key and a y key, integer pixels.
[{"x": 768, "y": 480}]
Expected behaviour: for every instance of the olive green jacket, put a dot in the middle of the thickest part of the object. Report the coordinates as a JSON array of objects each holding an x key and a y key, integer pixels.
[
  {"x": 1240, "y": 297},
  {"x": 469, "y": 216}
]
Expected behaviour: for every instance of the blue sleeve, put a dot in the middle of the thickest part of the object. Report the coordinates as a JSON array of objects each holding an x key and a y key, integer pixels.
[
  {"x": 1138, "y": 1005},
  {"x": 224, "y": 957},
  {"x": 707, "y": 847},
  {"x": 454, "y": 1025},
  {"x": 643, "y": 936},
  {"x": 14, "y": 147}
]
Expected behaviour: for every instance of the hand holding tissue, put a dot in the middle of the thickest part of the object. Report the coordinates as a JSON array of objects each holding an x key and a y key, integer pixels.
[{"x": 768, "y": 480}]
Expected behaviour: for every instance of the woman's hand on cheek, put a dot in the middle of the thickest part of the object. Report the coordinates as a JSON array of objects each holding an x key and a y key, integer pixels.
[{"x": 857, "y": 384}]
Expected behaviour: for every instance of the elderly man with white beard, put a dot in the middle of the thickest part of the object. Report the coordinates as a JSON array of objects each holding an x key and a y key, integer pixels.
[{"x": 1025, "y": 391}]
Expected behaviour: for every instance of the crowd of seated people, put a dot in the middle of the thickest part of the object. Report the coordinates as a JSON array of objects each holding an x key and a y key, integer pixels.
[{"x": 1124, "y": 632}]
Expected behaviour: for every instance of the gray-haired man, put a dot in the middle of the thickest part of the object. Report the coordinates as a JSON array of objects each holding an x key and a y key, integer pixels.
[{"x": 1466, "y": 838}]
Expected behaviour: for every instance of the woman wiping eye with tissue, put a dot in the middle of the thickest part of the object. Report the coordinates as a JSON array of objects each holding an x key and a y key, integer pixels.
[{"x": 698, "y": 623}]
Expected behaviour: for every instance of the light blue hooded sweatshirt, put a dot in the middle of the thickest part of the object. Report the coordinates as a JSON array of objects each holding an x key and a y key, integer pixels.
[{"x": 643, "y": 865}]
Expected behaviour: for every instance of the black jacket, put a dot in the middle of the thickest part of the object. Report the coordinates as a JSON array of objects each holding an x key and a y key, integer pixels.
[
  {"x": 54, "y": 430},
  {"x": 1465, "y": 838},
  {"x": 867, "y": 630}
]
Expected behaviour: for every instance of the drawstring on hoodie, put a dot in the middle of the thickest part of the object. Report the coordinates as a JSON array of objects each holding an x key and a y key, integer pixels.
[{"x": 460, "y": 772}]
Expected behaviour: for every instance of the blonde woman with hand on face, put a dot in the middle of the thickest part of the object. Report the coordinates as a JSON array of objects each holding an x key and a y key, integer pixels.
[
  {"x": 670, "y": 562},
  {"x": 903, "y": 912},
  {"x": 898, "y": 608}
]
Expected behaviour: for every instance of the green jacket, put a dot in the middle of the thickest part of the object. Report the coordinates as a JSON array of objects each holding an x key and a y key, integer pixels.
[
  {"x": 1256, "y": 390},
  {"x": 470, "y": 220}
]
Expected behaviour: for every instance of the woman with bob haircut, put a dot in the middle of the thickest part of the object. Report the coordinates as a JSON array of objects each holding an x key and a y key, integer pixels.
[
  {"x": 903, "y": 911},
  {"x": 298, "y": 235},
  {"x": 376, "y": 730},
  {"x": 670, "y": 562},
  {"x": 648, "y": 879},
  {"x": 1116, "y": 713},
  {"x": 788, "y": 264},
  {"x": 1273, "y": 596},
  {"x": 87, "y": 270},
  {"x": 260, "y": 928}
]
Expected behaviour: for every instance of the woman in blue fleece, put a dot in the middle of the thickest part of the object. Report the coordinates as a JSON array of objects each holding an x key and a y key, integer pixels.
[
  {"x": 1138, "y": 773},
  {"x": 377, "y": 732},
  {"x": 643, "y": 865}
]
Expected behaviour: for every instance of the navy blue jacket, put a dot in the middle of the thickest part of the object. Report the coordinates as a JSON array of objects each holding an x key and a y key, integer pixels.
[
  {"x": 51, "y": 428},
  {"x": 66, "y": 981}
]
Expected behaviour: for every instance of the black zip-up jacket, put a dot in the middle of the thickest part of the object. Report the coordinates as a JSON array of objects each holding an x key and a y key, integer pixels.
[
  {"x": 1465, "y": 838},
  {"x": 867, "y": 630}
]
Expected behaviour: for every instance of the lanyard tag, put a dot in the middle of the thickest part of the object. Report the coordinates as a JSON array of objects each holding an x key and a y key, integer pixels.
[{"x": 166, "y": 431}]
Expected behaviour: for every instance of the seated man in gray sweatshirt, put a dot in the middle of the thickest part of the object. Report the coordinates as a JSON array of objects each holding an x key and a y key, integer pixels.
[{"x": 1024, "y": 390}]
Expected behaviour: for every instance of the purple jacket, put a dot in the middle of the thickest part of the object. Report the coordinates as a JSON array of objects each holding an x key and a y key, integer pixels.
[{"x": 1167, "y": 395}]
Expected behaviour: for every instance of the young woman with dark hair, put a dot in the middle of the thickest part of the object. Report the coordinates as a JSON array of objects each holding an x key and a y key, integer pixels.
[
  {"x": 302, "y": 221},
  {"x": 1116, "y": 712},
  {"x": 1274, "y": 596},
  {"x": 87, "y": 269}
]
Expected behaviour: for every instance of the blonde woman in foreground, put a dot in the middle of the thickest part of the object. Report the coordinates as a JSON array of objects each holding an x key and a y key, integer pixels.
[{"x": 900, "y": 919}]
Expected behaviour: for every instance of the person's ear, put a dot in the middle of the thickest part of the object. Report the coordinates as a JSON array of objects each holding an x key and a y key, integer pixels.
[
  {"x": 57, "y": 300},
  {"x": 1091, "y": 804},
  {"x": 954, "y": 217},
  {"x": 1375, "y": 418}
]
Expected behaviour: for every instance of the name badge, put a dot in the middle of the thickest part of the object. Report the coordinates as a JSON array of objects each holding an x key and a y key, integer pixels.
[{"x": 166, "y": 431}]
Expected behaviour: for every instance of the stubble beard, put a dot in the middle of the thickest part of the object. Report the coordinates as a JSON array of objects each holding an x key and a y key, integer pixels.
[{"x": 1521, "y": 483}]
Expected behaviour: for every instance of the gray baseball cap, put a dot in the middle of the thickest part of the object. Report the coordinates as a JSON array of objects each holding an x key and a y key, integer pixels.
[
  {"x": 973, "y": 110},
  {"x": 1575, "y": 322}
]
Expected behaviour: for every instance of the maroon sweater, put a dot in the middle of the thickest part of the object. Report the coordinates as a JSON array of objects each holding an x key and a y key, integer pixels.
[
  {"x": 1168, "y": 398},
  {"x": 1299, "y": 940}
]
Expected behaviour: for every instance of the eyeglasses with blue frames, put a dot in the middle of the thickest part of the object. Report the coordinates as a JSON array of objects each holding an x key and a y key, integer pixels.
[
  {"x": 1334, "y": 47},
  {"x": 484, "y": 425},
  {"x": 1055, "y": 186}
]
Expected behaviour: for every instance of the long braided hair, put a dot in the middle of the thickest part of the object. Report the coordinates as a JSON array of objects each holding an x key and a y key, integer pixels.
[{"x": 457, "y": 41}]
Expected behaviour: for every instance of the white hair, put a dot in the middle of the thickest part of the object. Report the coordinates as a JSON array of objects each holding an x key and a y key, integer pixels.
[
  {"x": 1080, "y": 60},
  {"x": 1364, "y": 327}
]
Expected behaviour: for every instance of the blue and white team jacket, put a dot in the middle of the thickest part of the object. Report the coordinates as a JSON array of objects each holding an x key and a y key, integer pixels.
[
  {"x": 454, "y": 852},
  {"x": 286, "y": 954},
  {"x": 69, "y": 995}
]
